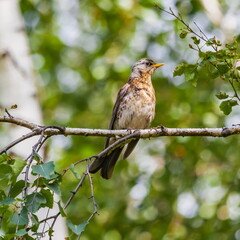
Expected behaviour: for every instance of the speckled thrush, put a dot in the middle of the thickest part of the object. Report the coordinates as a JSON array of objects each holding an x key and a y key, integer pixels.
[{"x": 134, "y": 109}]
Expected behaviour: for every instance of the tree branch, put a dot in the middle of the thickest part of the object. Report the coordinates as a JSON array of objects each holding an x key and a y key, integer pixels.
[{"x": 143, "y": 133}]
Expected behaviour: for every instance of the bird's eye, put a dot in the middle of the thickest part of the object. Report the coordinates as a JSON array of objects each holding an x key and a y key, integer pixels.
[{"x": 149, "y": 64}]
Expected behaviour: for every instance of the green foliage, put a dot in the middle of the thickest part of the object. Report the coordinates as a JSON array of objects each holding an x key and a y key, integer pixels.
[
  {"x": 226, "y": 106},
  {"x": 222, "y": 95},
  {"x": 46, "y": 170},
  {"x": 77, "y": 229},
  {"x": 20, "y": 199},
  {"x": 218, "y": 63},
  {"x": 189, "y": 70},
  {"x": 21, "y": 218}
]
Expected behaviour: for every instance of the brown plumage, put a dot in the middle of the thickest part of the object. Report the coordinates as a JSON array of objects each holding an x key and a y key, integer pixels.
[{"x": 134, "y": 109}]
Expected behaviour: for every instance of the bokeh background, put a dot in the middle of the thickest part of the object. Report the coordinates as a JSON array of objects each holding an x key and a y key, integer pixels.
[{"x": 170, "y": 188}]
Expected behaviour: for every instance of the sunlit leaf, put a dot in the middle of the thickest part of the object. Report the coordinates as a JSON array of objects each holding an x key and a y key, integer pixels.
[
  {"x": 17, "y": 167},
  {"x": 6, "y": 174},
  {"x": 21, "y": 232},
  {"x": 77, "y": 229},
  {"x": 183, "y": 34},
  {"x": 222, "y": 95},
  {"x": 226, "y": 106}
]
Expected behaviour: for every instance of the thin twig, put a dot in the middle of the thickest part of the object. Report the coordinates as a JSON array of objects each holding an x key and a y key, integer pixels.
[
  {"x": 200, "y": 30},
  {"x": 95, "y": 211},
  {"x": 12, "y": 144},
  {"x": 179, "y": 18},
  {"x": 68, "y": 201}
]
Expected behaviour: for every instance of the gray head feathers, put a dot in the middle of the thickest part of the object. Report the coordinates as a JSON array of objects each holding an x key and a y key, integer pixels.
[{"x": 144, "y": 66}]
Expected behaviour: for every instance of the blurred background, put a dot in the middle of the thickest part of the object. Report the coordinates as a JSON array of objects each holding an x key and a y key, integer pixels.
[{"x": 170, "y": 188}]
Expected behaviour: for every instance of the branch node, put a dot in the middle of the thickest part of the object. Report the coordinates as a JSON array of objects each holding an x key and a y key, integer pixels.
[{"x": 226, "y": 132}]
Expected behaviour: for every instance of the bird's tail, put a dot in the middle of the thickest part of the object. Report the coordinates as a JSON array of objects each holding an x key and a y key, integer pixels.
[
  {"x": 130, "y": 147},
  {"x": 106, "y": 163},
  {"x": 110, "y": 162}
]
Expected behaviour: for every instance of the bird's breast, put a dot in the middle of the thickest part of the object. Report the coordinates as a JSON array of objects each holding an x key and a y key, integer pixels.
[{"x": 137, "y": 109}]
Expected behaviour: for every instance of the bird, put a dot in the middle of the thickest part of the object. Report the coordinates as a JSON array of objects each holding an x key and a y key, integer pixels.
[{"x": 134, "y": 109}]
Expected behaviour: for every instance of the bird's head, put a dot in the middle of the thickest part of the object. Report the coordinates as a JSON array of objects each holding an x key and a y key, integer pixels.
[{"x": 144, "y": 66}]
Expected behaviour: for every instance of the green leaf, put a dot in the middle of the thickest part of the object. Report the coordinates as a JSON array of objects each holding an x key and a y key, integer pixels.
[
  {"x": 21, "y": 232},
  {"x": 63, "y": 214},
  {"x": 2, "y": 195},
  {"x": 211, "y": 58},
  {"x": 7, "y": 201},
  {"x": 195, "y": 40},
  {"x": 46, "y": 170},
  {"x": 183, "y": 34},
  {"x": 50, "y": 232},
  {"x": 40, "y": 182},
  {"x": 17, "y": 188},
  {"x": 233, "y": 102},
  {"x": 6, "y": 174},
  {"x": 48, "y": 195},
  {"x": 179, "y": 70},
  {"x": 210, "y": 41},
  {"x": 77, "y": 229},
  {"x": 6, "y": 158},
  {"x": 201, "y": 54},
  {"x": 226, "y": 106},
  {"x": 8, "y": 237},
  {"x": 222, "y": 95},
  {"x": 232, "y": 46},
  {"x": 21, "y": 218},
  {"x": 236, "y": 75},
  {"x": 190, "y": 72},
  {"x": 54, "y": 187},
  {"x": 36, "y": 157},
  {"x": 191, "y": 77},
  {"x": 17, "y": 167},
  {"x": 74, "y": 172},
  {"x": 222, "y": 67},
  {"x": 34, "y": 202},
  {"x": 35, "y": 222}
]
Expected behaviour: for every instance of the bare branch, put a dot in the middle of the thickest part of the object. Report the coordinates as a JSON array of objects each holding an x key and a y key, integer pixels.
[
  {"x": 24, "y": 137},
  {"x": 143, "y": 133},
  {"x": 6, "y": 53},
  {"x": 18, "y": 121}
]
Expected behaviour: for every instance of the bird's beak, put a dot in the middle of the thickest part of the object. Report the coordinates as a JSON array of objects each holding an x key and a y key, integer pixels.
[{"x": 157, "y": 65}]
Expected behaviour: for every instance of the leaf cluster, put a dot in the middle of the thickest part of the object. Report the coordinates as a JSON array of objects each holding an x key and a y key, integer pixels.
[
  {"x": 218, "y": 62},
  {"x": 21, "y": 199}
]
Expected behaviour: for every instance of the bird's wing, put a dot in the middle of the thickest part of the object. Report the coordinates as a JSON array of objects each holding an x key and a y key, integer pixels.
[
  {"x": 122, "y": 92},
  {"x": 108, "y": 162}
]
